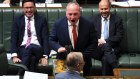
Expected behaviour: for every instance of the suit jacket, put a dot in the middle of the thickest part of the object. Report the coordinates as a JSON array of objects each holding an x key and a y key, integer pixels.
[
  {"x": 115, "y": 30},
  {"x": 61, "y": 1},
  {"x": 69, "y": 74},
  {"x": 86, "y": 40},
  {"x": 18, "y": 29},
  {"x": 40, "y": 1}
]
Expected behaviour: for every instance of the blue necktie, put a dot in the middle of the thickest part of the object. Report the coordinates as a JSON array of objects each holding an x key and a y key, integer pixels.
[{"x": 105, "y": 30}]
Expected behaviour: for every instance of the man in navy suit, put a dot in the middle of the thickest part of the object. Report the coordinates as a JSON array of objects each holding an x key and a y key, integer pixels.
[
  {"x": 75, "y": 64},
  {"x": 74, "y": 32},
  {"x": 29, "y": 46},
  {"x": 109, "y": 37}
]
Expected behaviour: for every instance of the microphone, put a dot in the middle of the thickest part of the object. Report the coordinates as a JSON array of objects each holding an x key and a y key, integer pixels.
[{"x": 68, "y": 48}]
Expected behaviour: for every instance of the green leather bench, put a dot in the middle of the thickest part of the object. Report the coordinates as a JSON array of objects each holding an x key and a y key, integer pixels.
[{"x": 130, "y": 44}]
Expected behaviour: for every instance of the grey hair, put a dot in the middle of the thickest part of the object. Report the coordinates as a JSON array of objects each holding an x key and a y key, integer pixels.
[
  {"x": 70, "y": 3},
  {"x": 73, "y": 59}
]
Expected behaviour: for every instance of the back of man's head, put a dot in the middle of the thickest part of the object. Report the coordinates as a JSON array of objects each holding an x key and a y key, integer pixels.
[{"x": 74, "y": 58}]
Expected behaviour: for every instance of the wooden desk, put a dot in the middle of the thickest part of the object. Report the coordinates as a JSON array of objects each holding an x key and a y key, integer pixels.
[
  {"x": 91, "y": 77},
  {"x": 131, "y": 77},
  {"x": 99, "y": 77},
  {"x": 59, "y": 66},
  {"x": 120, "y": 73}
]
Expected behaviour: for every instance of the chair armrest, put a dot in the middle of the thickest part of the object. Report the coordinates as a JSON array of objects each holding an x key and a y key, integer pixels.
[{"x": 18, "y": 65}]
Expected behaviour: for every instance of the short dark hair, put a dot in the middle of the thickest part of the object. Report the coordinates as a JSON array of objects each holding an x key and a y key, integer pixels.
[{"x": 24, "y": 1}]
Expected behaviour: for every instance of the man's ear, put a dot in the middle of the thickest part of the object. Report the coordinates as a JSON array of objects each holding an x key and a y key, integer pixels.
[{"x": 78, "y": 66}]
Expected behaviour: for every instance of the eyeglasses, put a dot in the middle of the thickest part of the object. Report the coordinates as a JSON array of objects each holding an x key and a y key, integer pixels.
[
  {"x": 28, "y": 8},
  {"x": 82, "y": 63}
]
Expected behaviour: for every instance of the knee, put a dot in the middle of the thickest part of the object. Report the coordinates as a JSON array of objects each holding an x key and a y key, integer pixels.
[{"x": 104, "y": 59}]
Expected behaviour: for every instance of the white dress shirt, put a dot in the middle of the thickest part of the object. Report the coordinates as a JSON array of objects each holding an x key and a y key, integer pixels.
[
  {"x": 33, "y": 34},
  {"x": 102, "y": 28},
  {"x": 70, "y": 31}
]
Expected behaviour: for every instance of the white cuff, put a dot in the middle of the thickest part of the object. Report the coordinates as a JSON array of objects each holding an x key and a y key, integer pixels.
[
  {"x": 14, "y": 54},
  {"x": 45, "y": 56}
]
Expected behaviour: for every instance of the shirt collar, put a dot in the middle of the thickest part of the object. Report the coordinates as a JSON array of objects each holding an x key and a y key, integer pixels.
[
  {"x": 69, "y": 24},
  {"x": 30, "y": 18},
  {"x": 106, "y": 18},
  {"x": 74, "y": 71}
]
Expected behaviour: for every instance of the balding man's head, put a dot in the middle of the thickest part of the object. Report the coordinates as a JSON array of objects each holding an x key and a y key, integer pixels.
[
  {"x": 73, "y": 12},
  {"x": 104, "y": 8},
  {"x": 75, "y": 59}
]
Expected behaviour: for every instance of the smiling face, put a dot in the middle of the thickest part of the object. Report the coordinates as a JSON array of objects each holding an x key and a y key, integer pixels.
[
  {"x": 104, "y": 9},
  {"x": 29, "y": 9},
  {"x": 73, "y": 13}
]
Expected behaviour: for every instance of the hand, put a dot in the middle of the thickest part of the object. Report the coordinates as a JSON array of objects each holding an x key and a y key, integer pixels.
[
  {"x": 43, "y": 61},
  {"x": 61, "y": 49},
  {"x": 111, "y": 1},
  {"x": 16, "y": 59},
  {"x": 100, "y": 41},
  {"x": 6, "y": 1}
]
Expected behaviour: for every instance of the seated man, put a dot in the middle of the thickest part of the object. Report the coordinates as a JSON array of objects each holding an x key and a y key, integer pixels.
[
  {"x": 29, "y": 38},
  {"x": 75, "y": 64},
  {"x": 110, "y": 33}
]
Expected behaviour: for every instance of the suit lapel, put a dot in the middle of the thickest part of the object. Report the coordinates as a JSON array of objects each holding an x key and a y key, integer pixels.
[
  {"x": 80, "y": 30},
  {"x": 23, "y": 25},
  {"x": 99, "y": 26},
  {"x": 111, "y": 26},
  {"x": 36, "y": 23},
  {"x": 66, "y": 31}
]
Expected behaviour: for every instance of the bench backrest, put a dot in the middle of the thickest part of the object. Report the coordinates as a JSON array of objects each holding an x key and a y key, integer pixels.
[{"x": 130, "y": 16}]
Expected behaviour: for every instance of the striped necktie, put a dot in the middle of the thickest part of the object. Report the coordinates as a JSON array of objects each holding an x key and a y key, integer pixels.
[{"x": 29, "y": 33}]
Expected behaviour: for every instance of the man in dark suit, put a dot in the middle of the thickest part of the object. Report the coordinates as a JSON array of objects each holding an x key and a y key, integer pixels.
[
  {"x": 76, "y": 31},
  {"x": 110, "y": 33},
  {"x": 75, "y": 64},
  {"x": 29, "y": 38}
]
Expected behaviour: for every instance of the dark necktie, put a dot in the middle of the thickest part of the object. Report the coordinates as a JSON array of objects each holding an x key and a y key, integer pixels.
[
  {"x": 74, "y": 34},
  {"x": 105, "y": 30},
  {"x": 29, "y": 33}
]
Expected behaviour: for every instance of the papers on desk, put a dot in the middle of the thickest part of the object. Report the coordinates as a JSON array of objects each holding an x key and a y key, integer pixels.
[
  {"x": 40, "y": 4},
  {"x": 127, "y": 4},
  {"x": 54, "y": 5},
  {"x": 134, "y": 3},
  {"x": 9, "y": 77},
  {"x": 9, "y": 56},
  {"x": 4, "y": 5},
  {"x": 34, "y": 75}
]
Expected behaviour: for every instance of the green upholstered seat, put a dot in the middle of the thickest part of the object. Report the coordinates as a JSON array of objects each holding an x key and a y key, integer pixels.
[{"x": 130, "y": 44}]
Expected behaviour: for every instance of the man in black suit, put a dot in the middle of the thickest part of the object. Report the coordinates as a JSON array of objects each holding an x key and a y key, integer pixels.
[
  {"x": 110, "y": 33},
  {"x": 76, "y": 31},
  {"x": 29, "y": 38}
]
